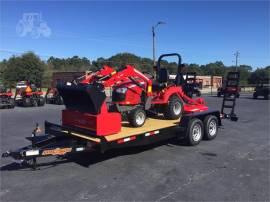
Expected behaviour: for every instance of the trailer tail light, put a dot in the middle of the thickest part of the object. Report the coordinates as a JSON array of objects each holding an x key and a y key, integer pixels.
[
  {"x": 126, "y": 139},
  {"x": 32, "y": 153},
  {"x": 151, "y": 133}
]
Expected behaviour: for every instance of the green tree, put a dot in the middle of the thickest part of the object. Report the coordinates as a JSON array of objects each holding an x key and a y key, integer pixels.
[
  {"x": 26, "y": 67},
  {"x": 215, "y": 69},
  {"x": 259, "y": 75}
]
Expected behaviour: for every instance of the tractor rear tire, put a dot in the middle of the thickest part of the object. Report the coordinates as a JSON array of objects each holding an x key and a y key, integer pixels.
[
  {"x": 137, "y": 117},
  {"x": 26, "y": 102},
  {"x": 41, "y": 101},
  {"x": 174, "y": 108}
]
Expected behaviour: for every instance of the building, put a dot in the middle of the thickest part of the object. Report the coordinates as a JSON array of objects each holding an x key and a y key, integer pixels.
[{"x": 205, "y": 81}]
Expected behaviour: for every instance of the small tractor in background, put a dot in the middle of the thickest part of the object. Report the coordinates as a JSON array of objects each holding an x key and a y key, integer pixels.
[
  {"x": 29, "y": 96},
  {"x": 52, "y": 96},
  {"x": 228, "y": 91},
  {"x": 6, "y": 100},
  {"x": 262, "y": 89}
]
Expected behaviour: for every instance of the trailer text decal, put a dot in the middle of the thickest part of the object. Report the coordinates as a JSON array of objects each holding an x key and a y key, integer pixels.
[{"x": 56, "y": 151}]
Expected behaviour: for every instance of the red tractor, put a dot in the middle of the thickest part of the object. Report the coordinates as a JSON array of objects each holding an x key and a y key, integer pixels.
[
  {"x": 29, "y": 96},
  {"x": 228, "y": 90},
  {"x": 6, "y": 100},
  {"x": 133, "y": 94}
]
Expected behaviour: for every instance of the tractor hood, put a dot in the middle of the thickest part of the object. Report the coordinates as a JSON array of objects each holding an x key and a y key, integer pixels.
[{"x": 84, "y": 98}]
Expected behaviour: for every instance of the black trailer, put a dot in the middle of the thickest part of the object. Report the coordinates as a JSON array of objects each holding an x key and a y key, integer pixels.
[{"x": 62, "y": 140}]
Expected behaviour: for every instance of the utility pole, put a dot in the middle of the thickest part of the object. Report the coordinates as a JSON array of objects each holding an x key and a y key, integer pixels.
[
  {"x": 154, "y": 35},
  {"x": 154, "y": 50},
  {"x": 236, "y": 59}
]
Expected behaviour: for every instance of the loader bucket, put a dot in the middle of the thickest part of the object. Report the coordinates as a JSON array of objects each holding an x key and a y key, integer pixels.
[{"x": 83, "y": 98}]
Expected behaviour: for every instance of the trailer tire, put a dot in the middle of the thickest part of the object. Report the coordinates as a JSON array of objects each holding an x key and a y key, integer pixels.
[
  {"x": 218, "y": 94},
  {"x": 194, "y": 132},
  {"x": 174, "y": 108},
  {"x": 210, "y": 127},
  {"x": 137, "y": 117},
  {"x": 266, "y": 96},
  {"x": 26, "y": 102}
]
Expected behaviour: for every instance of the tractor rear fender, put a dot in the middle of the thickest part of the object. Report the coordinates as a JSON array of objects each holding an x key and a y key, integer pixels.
[{"x": 168, "y": 92}]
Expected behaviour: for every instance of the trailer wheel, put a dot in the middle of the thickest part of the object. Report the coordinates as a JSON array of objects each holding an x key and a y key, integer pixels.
[
  {"x": 174, "y": 108},
  {"x": 26, "y": 102},
  {"x": 137, "y": 117},
  {"x": 218, "y": 94},
  {"x": 194, "y": 132},
  {"x": 41, "y": 101},
  {"x": 266, "y": 96},
  {"x": 210, "y": 127}
]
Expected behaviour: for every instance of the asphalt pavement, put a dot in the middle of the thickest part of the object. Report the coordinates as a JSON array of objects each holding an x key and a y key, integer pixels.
[{"x": 233, "y": 167}]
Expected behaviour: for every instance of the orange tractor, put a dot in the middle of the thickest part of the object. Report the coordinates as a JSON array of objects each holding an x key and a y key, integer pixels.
[{"x": 29, "y": 96}]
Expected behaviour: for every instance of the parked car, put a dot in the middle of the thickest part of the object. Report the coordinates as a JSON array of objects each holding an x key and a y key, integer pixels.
[{"x": 262, "y": 89}]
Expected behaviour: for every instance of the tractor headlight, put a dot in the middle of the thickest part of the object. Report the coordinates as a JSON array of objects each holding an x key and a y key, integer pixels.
[{"x": 121, "y": 90}]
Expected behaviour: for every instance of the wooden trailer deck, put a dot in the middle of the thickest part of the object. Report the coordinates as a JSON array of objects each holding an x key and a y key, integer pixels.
[{"x": 151, "y": 124}]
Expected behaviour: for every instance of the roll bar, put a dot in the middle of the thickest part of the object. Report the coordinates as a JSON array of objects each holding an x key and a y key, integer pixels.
[{"x": 169, "y": 55}]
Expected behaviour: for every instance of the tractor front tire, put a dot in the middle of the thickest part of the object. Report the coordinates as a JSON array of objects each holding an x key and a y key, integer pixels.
[
  {"x": 26, "y": 102},
  {"x": 41, "y": 101},
  {"x": 174, "y": 108},
  {"x": 34, "y": 102},
  {"x": 137, "y": 117}
]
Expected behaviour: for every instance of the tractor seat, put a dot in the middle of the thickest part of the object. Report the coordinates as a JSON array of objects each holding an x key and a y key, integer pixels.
[{"x": 162, "y": 80}]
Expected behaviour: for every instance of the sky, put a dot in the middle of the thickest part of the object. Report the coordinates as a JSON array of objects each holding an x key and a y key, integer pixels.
[{"x": 201, "y": 31}]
